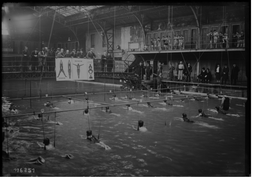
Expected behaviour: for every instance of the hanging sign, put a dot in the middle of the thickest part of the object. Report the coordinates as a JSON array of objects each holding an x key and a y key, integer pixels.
[{"x": 70, "y": 69}]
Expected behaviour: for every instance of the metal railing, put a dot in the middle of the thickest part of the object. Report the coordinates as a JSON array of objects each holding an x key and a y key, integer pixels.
[
  {"x": 18, "y": 64},
  {"x": 193, "y": 46}
]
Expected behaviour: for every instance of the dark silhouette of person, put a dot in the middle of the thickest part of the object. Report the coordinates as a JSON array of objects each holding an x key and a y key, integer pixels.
[
  {"x": 69, "y": 69},
  {"x": 78, "y": 69},
  {"x": 234, "y": 74},
  {"x": 61, "y": 68},
  {"x": 225, "y": 72}
]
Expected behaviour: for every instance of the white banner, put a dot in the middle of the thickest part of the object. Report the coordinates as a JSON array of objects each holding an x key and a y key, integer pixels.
[
  {"x": 90, "y": 69},
  {"x": 70, "y": 69}
]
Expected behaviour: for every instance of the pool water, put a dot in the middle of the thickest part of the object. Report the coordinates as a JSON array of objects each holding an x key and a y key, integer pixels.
[{"x": 170, "y": 147}]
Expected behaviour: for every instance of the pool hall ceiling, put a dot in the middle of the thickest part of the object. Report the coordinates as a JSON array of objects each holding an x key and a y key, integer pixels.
[{"x": 89, "y": 17}]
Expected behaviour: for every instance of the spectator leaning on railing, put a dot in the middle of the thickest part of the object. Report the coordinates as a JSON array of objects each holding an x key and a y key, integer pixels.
[
  {"x": 171, "y": 72},
  {"x": 215, "y": 38},
  {"x": 210, "y": 34},
  {"x": 202, "y": 75},
  {"x": 73, "y": 53},
  {"x": 152, "y": 44},
  {"x": 57, "y": 51},
  {"x": 181, "y": 39},
  {"x": 42, "y": 59},
  {"x": 109, "y": 63},
  {"x": 225, "y": 41},
  {"x": 225, "y": 72},
  {"x": 238, "y": 37},
  {"x": 242, "y": 42},
  {"x": 218, "y": 73},
  {"x": 155, "y": 44},
  {"x": 25, "y": 59},
  {"x": 234, "y": 74},
  {"x": 82, "y": 53},
  {"x": 208, "y": 76},
  {"x": 34, "y": 59},
  {"x": 159, "y": 43},
  {"x": 91, "y": 54},
  {"x": 61, "y": 54},
  {"x": 187, "y": 72},
  {"x": 180, "y": 71},
  {"x": 103, "y": 61}
]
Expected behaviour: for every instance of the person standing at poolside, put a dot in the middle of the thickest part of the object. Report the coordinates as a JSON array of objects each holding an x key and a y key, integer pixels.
[{"x": 180, "y": 71}]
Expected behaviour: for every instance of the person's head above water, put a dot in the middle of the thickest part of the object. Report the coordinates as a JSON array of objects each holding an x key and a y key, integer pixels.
[
  {"x": 140, "y": 123},
  {"x": 184, "y": 115},
  {"x": 86, "y": 111},
  {"x": 89, "y": 134},
  {"x": 200, "y": 111},
  {"x": 46, "y": 141}
]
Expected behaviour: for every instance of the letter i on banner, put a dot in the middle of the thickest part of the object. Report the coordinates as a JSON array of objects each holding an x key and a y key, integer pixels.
[
  {"x": 63, "y": 69},
  {"x": 90, "y": 69}
]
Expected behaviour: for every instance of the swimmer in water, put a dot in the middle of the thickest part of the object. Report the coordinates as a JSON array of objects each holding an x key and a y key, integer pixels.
[
  {"x": 95, "y": 140},
  {"x": 86, "y": 112},
  {"x": 221, "y": 111},
  {"x": 167, "y": 103},
  {"x": 114, "y": 98},
  {"x": 225, "y": 103},
  {"x": 133, "y": 110},
  {"x": 198, "y": 99},
  {"x": 201, "y": 114},
  {"x": 144, "y": 95},
  {"x": 149, "y": 105},
  {"x": 185, "y": 119},
  {"x": 70, "y": 101},
  {"x": 46, "y": 144},
  {"x": 48, "y": 104},
  {"x": 91, "y": 137},
  {"x": 107, "y": 110},
  {"x": 12, "y": 109},
  {"x": 129, "y": 107},
  {"x": 140, "y": 127}
]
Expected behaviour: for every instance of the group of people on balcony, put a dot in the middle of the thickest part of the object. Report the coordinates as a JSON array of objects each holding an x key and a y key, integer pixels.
[
  {"x": 216, "y": 40},
  {"x": 45, "y": 59},
  {"x": 221, "y": 40},
  {"x": 165, "y": 43}
]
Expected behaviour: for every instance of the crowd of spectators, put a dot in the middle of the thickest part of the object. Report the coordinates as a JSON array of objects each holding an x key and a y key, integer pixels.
[
  {"x": 221, "y": 74},
  {"x": 182, "y": 72},
  {"x": 44, "y": 59},
  {"x": 165, "y": 43},
  {"x": 221, "y": 40},
  {"x": 216, "y": 40}
]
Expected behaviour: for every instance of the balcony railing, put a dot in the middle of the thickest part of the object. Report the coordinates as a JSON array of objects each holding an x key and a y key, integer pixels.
[
  {"x": 190, "y": 46},
  {"x": 18, "y": 64}
]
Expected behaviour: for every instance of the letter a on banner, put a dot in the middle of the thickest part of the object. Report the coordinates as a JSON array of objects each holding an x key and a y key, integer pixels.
[
  {"x": 90, "y": 69},
  {"x": 64, "y": 69}
]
